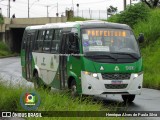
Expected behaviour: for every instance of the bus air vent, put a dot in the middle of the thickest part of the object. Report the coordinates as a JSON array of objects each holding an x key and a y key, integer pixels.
[
  {"x": 116, "y": 76},
  {"x": 116, "y": 86}
]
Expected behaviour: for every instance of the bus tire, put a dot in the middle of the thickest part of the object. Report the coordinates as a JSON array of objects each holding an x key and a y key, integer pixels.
[
  {"x": 47, "y": 88},
  {"x": 36, "y": 81},
  {"x": 128, "y": 98},
  {"x": 38, "y": 85},
  {"x": 73, "y": 89}
]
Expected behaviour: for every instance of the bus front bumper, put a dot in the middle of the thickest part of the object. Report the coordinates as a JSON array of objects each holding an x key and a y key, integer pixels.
[{"x": 99, "y": 86}]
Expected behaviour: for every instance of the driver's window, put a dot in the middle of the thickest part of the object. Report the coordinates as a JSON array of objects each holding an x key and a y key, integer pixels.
[{"x": 74, "y": 45}]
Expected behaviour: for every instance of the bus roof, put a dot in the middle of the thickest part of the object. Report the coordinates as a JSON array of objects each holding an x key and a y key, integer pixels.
[
  {"x": 83, "y": 24},
  {"x": 103, "y": 24}
]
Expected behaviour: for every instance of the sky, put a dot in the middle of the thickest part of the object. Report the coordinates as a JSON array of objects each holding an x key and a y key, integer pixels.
[{"x": 38, "y": 8}]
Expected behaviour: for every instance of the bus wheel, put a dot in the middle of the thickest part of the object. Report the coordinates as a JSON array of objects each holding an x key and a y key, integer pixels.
[
  {"x": 36, "y": 81},
  {"x": 73, "y": 89},
  {"x": 128, "y": 98},
  {"x": 47, "y": 88},
  {"x": 38, "y": 85}
]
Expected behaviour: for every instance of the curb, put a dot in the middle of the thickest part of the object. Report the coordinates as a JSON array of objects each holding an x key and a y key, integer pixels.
[{"x": 1, "y": 57}]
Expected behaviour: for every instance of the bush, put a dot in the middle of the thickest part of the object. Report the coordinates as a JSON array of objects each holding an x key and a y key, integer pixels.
[
  {"x": 77, "y": 19},
  {"x": 150, "y": 28},
  {"x": 1, "y": 19},
  {"x": 4, "y": 49},
  {"x": 131, "y": 16},
  {"x": 3, "y": 46},
  {"x": 151, "y": 65}
]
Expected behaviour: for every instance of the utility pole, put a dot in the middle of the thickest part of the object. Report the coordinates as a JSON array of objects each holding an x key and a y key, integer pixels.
[
  {"x": 47, "y": 10},
  {"x": 124, "y": 4},
  {"x": 72, "y": 6},
  {"x": 57, "y": 7},
  {"x": 9, "y": 6},
  {"x": 130, "y": 2},
  {"x": 28, "y": 8},
  {"x": 77, "y": 10}
]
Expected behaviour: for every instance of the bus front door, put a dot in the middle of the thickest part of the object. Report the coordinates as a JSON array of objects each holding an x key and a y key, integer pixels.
[
  {"x": 28, "y": 57},
  {"x": 63, "y": 61}
]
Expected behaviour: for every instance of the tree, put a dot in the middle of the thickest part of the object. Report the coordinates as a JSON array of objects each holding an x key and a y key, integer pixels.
[
  {"x": 112, "y": 10},
  {"x": 132, "y": 15},
  {"x": 152, "y": 3}
]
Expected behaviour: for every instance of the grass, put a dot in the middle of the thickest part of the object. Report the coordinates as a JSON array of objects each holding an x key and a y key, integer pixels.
[
  {"x": 4, "y": 50},
  {"x": 77, "y": 19},
  {"x": 151, "y": 62},
  {"x": 150, "y": 48},
  {"x": 1, "y": 19},
  {"x": 50, "y": 101},
  {"x": 150, "y": 28}
]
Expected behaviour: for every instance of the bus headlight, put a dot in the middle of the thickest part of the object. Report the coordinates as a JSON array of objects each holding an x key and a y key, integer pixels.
[
  {"x": 137, "y": 74},
  {"x": 95, "y": 75}
]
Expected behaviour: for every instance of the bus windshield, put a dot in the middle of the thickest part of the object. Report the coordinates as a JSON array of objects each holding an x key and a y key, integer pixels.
[{"x": 109, "y": 40}]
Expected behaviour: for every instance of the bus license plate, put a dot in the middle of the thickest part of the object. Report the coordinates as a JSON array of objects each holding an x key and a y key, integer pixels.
[{"x": 116, "y": 82}]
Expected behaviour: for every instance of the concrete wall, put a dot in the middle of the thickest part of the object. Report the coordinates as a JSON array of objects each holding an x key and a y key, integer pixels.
[
  {"x": 7, "y": 30},
  {"x": 24, "y": 22},
  {"x": 37, "y": 21}
]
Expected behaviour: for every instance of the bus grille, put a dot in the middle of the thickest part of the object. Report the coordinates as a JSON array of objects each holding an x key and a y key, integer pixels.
[
  {"x": 116, "y": 76},
  {"x": 116, "y": 86}
]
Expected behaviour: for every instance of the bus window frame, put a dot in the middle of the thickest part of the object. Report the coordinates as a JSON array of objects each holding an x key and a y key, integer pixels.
[
  {"x": 52, "y": 41},
  {"x": 23, "y": 45},
  {"x": 36, "y": 41}
]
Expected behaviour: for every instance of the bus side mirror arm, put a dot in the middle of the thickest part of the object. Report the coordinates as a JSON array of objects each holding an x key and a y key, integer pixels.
[{"x": 141, "y": 38}]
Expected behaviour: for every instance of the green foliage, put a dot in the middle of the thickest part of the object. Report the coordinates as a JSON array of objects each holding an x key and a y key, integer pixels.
[
  {"x": 4, "y": 50},
  {"x": 1, "y": 19},
  {"x": 152, "y": 3},
  {"x": 151, "y": 65},
  {"x": 150, "y": 28},
  {"x": 112, "y": 9},
  {"x": 50, "y": 101},
  {"x": 77, "y": 19},
  {"x": 3, "y": 46},
  {"x": 131, "y": 15}
]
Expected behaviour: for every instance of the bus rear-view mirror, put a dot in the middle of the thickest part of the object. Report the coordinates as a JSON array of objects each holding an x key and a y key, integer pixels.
[
  {"x": 71, "y": 37},
  {"x": 141, "y": 38},
  {"x": 73, "y": 41}
]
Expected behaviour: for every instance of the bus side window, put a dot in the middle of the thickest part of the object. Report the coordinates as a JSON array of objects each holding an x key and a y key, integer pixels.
[
  {"x": 39, "y": 42},
  {"x": 32, "y": 40},
  {"x": 56, "y": 41},
  {"x": 35, "y": 41},
  {"x": 24, "y": 40},
  {"x": 47, "y": 41}
]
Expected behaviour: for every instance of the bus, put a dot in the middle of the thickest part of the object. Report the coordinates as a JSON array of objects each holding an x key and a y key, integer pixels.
[{"x": 86, "y": 57}]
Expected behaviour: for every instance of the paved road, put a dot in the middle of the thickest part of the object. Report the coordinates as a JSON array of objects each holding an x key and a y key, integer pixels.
[
  {"x": 10, "y": 69},
  {"x": 10, "y": 72}
]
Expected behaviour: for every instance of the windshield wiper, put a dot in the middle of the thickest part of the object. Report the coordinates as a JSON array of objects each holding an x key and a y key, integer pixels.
[
  {"x": 102, "y": 56},
  {"x": 130, "y": 54}
]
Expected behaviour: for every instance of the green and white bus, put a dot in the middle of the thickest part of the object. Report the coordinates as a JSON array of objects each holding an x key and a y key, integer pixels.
[{"x": 87, "y": 57}]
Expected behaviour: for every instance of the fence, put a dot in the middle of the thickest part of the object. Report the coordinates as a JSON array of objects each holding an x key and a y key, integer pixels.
[{"x": 91, "y": 14}]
